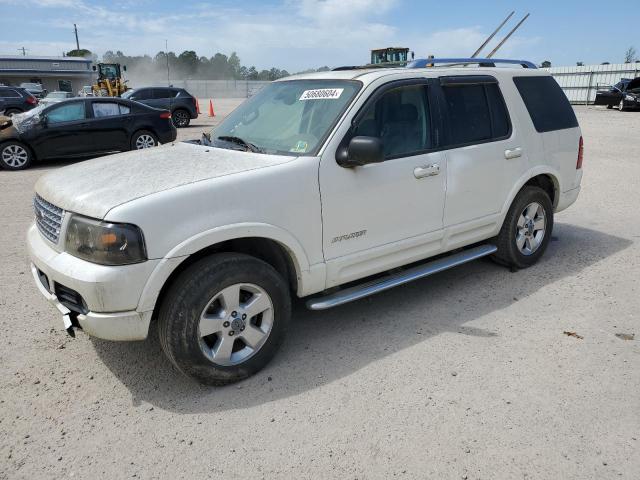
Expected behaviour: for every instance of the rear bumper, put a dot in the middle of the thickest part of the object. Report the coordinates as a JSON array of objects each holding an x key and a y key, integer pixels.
[
  {"x": 168, "y": 136},
  {"x": 109, "y": 295},
  {"x": 567, "y": 199}
]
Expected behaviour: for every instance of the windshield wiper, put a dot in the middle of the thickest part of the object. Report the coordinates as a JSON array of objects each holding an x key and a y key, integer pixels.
[{"x": 239, "y": 141}]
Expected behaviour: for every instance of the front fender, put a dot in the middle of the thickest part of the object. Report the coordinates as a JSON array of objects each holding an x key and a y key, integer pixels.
[{"x": 305, "y": 278}]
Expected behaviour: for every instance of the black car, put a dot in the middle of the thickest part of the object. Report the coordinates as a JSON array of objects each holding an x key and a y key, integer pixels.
[
  {"x": 80, "y": 127},
  {"x": 35, "y": 89},
  {"x": 181, "y": 104},
  {"x": 15, "y": 100},
  {"x": 624, "y": 94}
]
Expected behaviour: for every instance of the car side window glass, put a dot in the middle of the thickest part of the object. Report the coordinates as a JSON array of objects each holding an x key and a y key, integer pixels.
[
  {"x": 401, "y": 119},
  {"x": 469, "y": 116},
  {"x": 145, "y": 94},
  {"x": 160, "y": 93},
  {"x": 125, "y": 109},
  {"x": 500, "y": 124},
  {"x": 67, "y": 113},
  {"x": 546, "y": 103},
  {"x": 105, "y": 109},
  {"x": 9, "y": 94}
]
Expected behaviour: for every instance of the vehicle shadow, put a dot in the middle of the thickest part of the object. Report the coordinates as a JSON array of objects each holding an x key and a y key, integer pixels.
[{"x": 325, "y": 346}]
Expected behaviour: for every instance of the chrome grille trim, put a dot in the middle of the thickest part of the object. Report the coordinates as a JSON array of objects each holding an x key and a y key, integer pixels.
[{"x": 48, "y": 218}]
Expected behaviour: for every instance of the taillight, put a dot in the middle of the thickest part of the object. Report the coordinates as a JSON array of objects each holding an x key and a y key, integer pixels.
[
  {"x": 165, "y": 115},
  {"x": 32, "y": 100},
  {"x": 580, "y": 154}
]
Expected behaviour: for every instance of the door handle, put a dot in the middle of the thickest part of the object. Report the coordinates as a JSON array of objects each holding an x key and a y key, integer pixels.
[
  {"x": 426, "y": 171},
  {"x": 513, "y": 153}
]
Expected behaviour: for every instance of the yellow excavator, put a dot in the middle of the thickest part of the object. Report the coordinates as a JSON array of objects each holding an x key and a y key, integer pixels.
[{"x": 110, "y": 82}]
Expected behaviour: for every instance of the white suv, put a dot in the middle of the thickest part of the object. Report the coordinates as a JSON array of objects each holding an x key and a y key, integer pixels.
[{"x": 318, "y": 181}]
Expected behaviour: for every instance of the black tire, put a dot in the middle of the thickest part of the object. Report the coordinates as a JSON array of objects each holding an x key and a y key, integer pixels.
[
  {"x": 621, "y": 106},
  {"x": 11, "y": 111},
  {"x": 191, "y": 295},
  {"x": 181, "y": 118},
  {"x": 509, "y": 253},
  {"x": 609, "y": 107},
  {"x": 143, "y": 137},
  {"x": 15, "y": 155}
]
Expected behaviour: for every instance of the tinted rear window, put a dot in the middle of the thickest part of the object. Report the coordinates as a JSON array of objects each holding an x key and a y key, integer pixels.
[
  {"x": 547, "y": 104},
  {"x": 477, "y": 113}
]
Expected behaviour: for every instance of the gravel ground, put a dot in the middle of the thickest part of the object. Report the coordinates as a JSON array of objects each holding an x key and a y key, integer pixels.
[{"x": 466, "y": 374}]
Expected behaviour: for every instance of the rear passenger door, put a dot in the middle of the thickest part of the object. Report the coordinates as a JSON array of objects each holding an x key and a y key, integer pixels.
[
  {"x": 110, "y": 126},
  {"x": 484, "y": 155}
]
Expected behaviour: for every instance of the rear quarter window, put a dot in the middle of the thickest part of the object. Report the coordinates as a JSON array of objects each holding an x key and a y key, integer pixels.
[{"x": 546, "y": 103}]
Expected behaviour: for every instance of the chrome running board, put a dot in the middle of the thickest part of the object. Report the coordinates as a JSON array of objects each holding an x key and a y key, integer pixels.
[{"x": 381, "y": 284}]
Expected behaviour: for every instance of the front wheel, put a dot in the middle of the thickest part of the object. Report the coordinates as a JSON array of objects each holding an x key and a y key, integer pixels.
[
  {"x": 181, "y": 118},
  {"x": 143, "y": 139},
  {"x": 15, "y": 156},
  {"x": 224, "y": 318},
  {"x": 621, "y": 106},
  {"x": 526, "y": 230}
]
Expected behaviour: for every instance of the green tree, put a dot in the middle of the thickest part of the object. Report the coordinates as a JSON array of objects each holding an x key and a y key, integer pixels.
[{"x": 83, "y": 52}]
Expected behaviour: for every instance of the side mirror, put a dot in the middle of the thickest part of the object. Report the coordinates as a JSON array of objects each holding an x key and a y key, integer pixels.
[
  {"x": 94, "y": 68},
  {"x": 44, "y": 121},
  {"x": 124, "y": 67},
  {"x": 361, "y": 151}
]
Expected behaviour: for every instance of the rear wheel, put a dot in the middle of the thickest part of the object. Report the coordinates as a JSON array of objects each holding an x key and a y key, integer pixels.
[
  {"x": 11, "y": 111},
  {"x": 609, "y": 107},
  {"x": 526, "y": 230},
  {"x": 143, "y": 139},
  {"x": 15, "y": 156},
  {"x": 181, "y": 118},
  {"x": 224, "y": 318}
]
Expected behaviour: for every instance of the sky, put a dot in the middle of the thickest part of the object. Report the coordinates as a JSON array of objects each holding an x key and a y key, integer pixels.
[{"x": 300, "y": 34}]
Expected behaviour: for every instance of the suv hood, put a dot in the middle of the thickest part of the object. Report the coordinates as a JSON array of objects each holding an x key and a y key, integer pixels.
[{"x": 94, "y": 187}]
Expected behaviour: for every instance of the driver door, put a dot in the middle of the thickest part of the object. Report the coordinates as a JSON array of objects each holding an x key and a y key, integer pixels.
[
  {"x": 382, "y": 215},
  {"x": 64, "y": 131}
]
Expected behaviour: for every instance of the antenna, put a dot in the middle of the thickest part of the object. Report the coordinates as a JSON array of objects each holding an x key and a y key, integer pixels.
[
  {"x": 75, "y": 29},
  {"x": 475, "y": 54},
  {"x": 508, "y": 35}
]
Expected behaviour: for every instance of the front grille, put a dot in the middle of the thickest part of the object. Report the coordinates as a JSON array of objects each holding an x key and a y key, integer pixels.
[{"x": 48, "y": 218}]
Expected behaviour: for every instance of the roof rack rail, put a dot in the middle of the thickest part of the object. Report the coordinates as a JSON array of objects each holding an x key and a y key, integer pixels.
[{"x": 483, "y": 62}]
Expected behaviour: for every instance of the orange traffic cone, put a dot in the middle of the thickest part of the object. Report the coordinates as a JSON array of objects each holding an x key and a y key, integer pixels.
[
  {"x": 198, "y": 107},
  {"x": 211, "y": 112}
]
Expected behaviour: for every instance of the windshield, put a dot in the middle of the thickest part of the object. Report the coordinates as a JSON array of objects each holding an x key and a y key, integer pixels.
[
  {"x": 57, "y": 95},
  {"x": 290, "y": 117},
  {"x": 128, "y": 93}
]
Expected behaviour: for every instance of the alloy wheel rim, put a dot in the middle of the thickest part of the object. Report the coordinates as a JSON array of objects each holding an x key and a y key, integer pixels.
[
  {"x": 235, "y": 324},
  {"x": 181, "y": 118},
  {"x": 145, "y": 141},
  {"x": 14, "y": 156},
  {"x": 531, "y": 228}
]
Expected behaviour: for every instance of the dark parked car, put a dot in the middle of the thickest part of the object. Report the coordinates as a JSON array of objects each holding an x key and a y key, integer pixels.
[
  {"x": 15, "y": 100},
  {"x": 34, "y": 89},
  {"x": 178, "y": 101},
  {"x": 624, "y": 94},
  {"x": 81, "y": 127}
]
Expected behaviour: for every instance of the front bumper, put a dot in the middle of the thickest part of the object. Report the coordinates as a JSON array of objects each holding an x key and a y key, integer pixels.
[{"x": 110, "y": 294}]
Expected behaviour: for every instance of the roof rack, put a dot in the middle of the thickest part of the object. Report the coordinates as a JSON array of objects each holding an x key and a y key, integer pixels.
[{"x": 483, "y": 62}]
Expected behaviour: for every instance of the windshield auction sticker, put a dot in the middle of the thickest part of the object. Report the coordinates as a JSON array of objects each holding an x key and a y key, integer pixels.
[{"x": 322, "y": 94}]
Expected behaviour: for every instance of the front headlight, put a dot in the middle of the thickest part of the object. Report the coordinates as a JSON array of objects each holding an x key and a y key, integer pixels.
[
  {"x": 104, "y": 243},
  {"x": 629, "y": 98}
]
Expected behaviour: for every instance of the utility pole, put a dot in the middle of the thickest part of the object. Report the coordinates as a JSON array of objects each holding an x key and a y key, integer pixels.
[
  {"x": 23, "y": 50},
  {"x": 166, "y": 52},
  {"x": 75, "y": 29}
]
